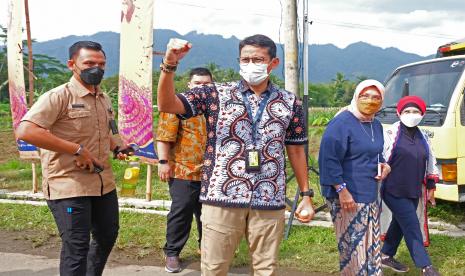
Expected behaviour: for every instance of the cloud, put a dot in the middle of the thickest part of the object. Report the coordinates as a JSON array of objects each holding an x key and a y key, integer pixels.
[
  {"x": 418, "y": 27},
  {"x": 417, "y": 19},
  {"x": 392, "y": 6},
  {"x": 403, "y": 6},
  {"x": 385, "y": 23}
]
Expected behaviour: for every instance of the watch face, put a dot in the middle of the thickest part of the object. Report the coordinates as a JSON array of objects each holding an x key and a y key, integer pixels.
[{"x": 163, "y": 161}]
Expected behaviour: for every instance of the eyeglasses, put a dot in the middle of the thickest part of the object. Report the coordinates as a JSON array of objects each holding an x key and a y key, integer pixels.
[
  {"x": 247, "y": 60},
  {"x": 371, "y": 97}
]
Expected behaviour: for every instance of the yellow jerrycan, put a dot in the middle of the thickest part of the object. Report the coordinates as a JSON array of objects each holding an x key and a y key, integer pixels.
[{"x": 131, "y": 176}]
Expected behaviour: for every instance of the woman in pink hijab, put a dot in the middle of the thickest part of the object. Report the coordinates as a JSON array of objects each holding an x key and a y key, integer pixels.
[{"x": 351, "y": 165}]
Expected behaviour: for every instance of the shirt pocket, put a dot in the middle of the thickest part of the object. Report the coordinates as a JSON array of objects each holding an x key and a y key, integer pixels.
[{"x": 81, "y": 122}]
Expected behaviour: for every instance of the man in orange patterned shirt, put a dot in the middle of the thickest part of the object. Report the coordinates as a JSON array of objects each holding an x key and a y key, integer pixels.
[{"x": 181, "y": 144}]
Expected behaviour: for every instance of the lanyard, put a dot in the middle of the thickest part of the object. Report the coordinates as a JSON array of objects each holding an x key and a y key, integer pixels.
[{"x": 258, "y": 116}]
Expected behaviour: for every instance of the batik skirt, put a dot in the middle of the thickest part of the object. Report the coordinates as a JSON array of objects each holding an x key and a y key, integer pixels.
[{"x": 358, "y": 238}]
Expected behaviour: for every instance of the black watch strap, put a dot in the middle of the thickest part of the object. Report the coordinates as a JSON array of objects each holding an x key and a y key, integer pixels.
[
  {"x": 309, "y": 193},
  {"x": 163, "y": 161}
]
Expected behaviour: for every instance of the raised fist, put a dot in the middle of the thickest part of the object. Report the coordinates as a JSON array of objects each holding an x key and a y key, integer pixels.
[{"x": 176, "y": 50}]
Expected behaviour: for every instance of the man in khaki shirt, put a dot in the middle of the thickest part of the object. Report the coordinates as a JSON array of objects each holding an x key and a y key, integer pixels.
[{"x": 73, "y": 125}]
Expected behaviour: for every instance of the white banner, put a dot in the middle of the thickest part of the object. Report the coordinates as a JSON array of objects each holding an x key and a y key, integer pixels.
[
  {"x": 16, "y": 74},
  {"x": 135, "y": 110}
]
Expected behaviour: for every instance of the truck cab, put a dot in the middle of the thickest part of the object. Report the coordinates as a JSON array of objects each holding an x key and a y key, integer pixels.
[{"x": 441, "y": 83}]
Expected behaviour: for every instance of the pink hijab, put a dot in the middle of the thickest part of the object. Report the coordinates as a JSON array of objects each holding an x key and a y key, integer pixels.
[{"x": 353, "y": 104}]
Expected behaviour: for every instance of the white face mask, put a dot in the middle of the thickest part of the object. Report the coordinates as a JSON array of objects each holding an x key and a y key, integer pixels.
[
  {"x": 254, "y": 73},
  {"x": 411, "y": 120}
]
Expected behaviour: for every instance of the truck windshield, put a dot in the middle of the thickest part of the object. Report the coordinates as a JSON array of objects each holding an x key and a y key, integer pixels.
[{"x": 434, "y": 82}]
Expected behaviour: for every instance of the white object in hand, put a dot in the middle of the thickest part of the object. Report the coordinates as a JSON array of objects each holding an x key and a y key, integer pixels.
[
  {"x": 304, "y": 213},
  {"x": 176, "y": 43}
]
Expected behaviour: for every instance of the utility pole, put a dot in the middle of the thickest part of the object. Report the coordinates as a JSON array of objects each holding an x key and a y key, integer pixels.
[
  {"x": 291, "y": 68},
  {"x": 305, "y": 65},
  {"x": 291, "y": 76}
]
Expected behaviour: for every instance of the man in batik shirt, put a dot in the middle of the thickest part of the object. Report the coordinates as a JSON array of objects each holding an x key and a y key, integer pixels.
[{"x": 250, "y": 124}]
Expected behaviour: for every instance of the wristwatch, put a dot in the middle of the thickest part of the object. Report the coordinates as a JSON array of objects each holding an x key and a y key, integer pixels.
[
  {"x": 309, "y": 193},
  {"x": 79, "y": 151},
  {"x": 162, "y": 161},
  {"x": 168, "y": 68}
]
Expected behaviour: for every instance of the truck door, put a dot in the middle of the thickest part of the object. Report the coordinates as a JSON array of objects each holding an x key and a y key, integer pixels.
[{"x": 461, "y": 148}]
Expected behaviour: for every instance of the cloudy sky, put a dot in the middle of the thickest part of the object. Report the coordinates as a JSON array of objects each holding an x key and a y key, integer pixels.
[{"x": 416, "y": 26}]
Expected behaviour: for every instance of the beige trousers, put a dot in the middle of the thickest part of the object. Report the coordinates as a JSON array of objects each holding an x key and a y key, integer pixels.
[{"x": 222, "y": 231}]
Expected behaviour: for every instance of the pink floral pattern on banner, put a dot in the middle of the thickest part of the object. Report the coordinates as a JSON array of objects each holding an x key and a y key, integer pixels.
[{"x": 135, "y": 116}]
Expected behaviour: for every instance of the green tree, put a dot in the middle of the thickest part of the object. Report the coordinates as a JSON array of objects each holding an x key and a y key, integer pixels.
[
  {"x": 213, "y": 68},
  {"x": 49, "y": 71},
  {"x": 276, "y": 80},
  {"x": 227, "y": 75},
  {"x": 360, "y": 78},
  {"x": 349, "y": 88},
  {"x": 222, "y": 75},
  {"x": 338, "y": 86},
  {"x": 110, "y": 86},
  {"x": 320, "y": 95},
  {"x": 3, "y": 67}
]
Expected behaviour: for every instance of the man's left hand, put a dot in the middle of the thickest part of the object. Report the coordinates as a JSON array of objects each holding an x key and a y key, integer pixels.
[{"x": 305, "y": 204}]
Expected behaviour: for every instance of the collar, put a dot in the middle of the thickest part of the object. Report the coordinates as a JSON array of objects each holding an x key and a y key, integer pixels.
[
  {"x": 79, "y": 89},
  {"x": 243, "y": 87},
  {"x": 409, "y": 130},
  {"x": 359, "y": 116}
]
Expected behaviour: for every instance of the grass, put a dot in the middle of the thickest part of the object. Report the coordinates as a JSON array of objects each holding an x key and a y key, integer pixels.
[
  {"x": 16, "y": 175},
  {"x": 307, "y": 249},
  {"x": 451, "y": 212},
  {"x": 5, "y": 117}
]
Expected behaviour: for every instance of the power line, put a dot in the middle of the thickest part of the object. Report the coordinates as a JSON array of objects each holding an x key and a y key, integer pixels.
[
  {"x": 378, "y": 28},
  {"x": 219, "y": 9},
  {"x": 341, "y": 24}
]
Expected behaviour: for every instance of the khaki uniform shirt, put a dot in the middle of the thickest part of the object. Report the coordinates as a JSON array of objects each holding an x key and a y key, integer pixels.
[{"x": 72, "y": 113}]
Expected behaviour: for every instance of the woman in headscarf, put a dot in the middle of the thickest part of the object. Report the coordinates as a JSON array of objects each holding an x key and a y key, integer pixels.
[
  {"x": 351, "y": 164},
  {"x": 408, "y": 188}
]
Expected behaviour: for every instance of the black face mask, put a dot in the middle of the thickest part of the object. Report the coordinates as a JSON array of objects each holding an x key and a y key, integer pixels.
[{"x": 92, "y": 76}]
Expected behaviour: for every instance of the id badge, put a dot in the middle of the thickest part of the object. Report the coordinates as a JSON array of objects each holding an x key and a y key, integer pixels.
[
  {"x": 252, "y": 160},
  {"x": 113, "y": 127}
]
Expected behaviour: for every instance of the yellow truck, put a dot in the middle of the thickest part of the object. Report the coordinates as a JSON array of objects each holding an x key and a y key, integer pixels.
[{"x": 441, "y": 83}]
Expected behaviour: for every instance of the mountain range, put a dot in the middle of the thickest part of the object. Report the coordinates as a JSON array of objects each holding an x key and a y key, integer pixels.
[{"x": 357, "y": 59}]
